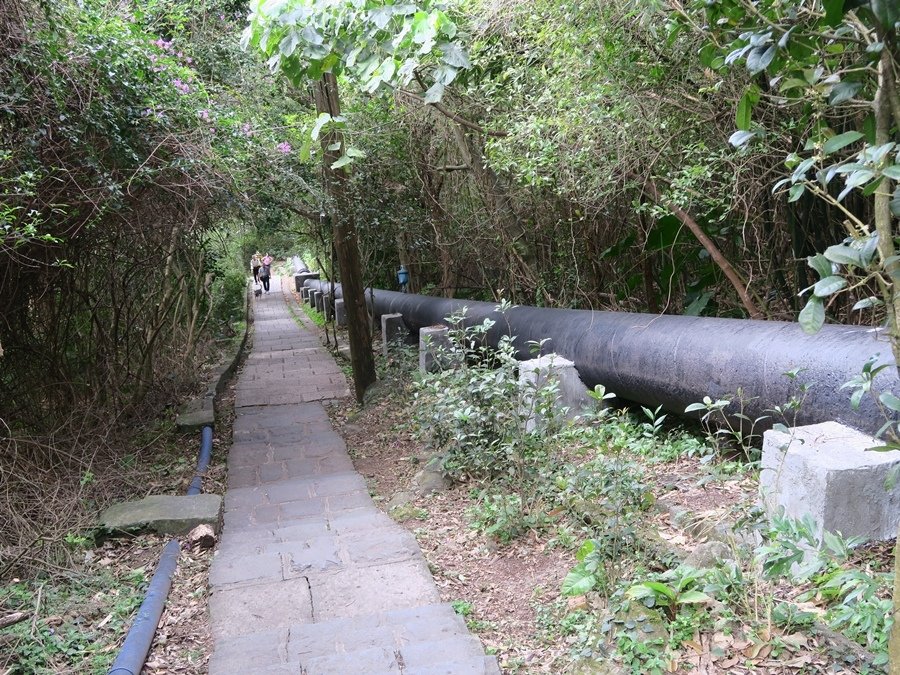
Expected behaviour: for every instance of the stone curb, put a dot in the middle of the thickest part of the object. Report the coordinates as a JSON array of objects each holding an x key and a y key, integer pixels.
[{"x": 200, "y": 411}]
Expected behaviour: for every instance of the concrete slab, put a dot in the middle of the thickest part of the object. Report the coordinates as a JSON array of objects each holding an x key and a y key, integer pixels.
[
  {"x": 251, "y": 609},
  {"x": 827, "y": 471},
  {"x": 435, "y": 349},
  {"x": 190, "y": 422},
  {"x": 357, "y": 591},
  {"x": 164, "y": 514}
]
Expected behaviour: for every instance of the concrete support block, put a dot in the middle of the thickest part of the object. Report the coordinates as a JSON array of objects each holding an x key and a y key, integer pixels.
[
  {"x": 320, "y": 301},
  {"x": 828, "y": 472},
  {"x": 434, "y": 348},
  {"x": 393, "y": 329},
  {"x": 301, "y": 277},
  {"x": 340, "y": 312},
  {"x": 311, "y": 297},
  {"x": 327, "y": 305},
  {"x": 165, "y": 514},
  {"x": 572, "y": 397}
]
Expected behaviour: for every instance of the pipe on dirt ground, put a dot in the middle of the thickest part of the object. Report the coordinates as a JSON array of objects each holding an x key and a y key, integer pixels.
[
  {"x": 130, "y": 660},
  {"x": 674, "y": 361},
  {"x": 133, "y": 653}
]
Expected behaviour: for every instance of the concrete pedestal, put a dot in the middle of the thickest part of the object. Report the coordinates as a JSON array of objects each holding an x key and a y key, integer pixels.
[
  {"x": 340, "y": 314},
  {"x": 328, "y": 305},
  {"x": 318, "y": 300},
  {"x": 301, "y": 277},
  {"x": 435, "y": 349},
  {"x": 572, "y": 397},
  {"x": 393, "y": 330},
  {"x": 826, "y": 471}
]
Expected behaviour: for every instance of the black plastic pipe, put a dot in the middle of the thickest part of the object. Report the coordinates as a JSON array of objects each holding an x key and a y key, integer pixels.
[
  {"x": 196, "y": 485},
  {"x": 674, "y": 361},
  {"x": 130, "y": 660},
  {"x": 133, "y": 654}
]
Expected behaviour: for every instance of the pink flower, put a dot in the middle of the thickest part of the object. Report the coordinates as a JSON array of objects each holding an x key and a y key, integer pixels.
[
  {"x": 247, "y": 129},
  {"x": 204, "y": 115},
  {"x": 284, "y": 148}
]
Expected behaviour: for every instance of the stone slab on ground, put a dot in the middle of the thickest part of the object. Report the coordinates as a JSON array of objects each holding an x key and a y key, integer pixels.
[
  {"x": 828, "y": 472},
  {"x": 196, "y": 414},
  {"x": 164, "y": 514},
  {"x": 310, "y": 576}
]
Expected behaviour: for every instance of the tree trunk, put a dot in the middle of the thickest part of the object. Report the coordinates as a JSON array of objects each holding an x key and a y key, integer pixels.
[
  {"x": 346, "y": 244},
  {"x": 708, "y": 244},
  {"x": 884, "y": 225}
]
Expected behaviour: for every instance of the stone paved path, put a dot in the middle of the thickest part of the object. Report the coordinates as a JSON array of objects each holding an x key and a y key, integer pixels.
[{"x": 310, "y": 576}]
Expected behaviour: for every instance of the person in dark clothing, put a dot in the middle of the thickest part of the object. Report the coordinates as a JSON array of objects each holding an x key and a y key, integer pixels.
[{"x": 264, "y": 274}]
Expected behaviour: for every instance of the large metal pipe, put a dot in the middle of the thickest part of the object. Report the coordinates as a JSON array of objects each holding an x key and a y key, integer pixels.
[{"x": 674, "y": 361}]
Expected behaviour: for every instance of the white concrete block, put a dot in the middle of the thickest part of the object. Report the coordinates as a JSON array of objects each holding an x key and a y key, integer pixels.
[
  {"x": 340, "y": 312},
  {"x": 572, "y": 397},
  {"x": 827, "y": 471},
  {"x": 434, "y": 344},
  {"x": 393, "y": 329}
]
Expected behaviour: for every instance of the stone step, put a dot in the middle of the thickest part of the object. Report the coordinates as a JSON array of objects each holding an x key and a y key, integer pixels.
[{"x": 426, "y": 636}]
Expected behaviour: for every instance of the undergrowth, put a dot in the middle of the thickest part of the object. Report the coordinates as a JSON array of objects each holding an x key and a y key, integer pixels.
[{"x": 585, "y": 486}]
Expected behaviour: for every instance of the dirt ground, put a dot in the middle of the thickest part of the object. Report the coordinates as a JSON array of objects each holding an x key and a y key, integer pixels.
[{"x": 498, "y": 588}]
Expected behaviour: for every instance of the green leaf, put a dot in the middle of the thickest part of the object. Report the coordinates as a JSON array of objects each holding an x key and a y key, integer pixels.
[
  {"x": 835, "y": 143},
  {"x": 342, "y": 162},
  {"x": 760, "y": 58},
  {"x": 453, "y": 55},
  {"x": 865, "y": 303},
  {"x": 693, "y": 598},
  {"x": 323, "y": 119},
  {"x": 586, "y": 548},
  {"x": 740, "y": 138},
  {"x": 887, "y": 12},
  {"x": 356, "y": 153},
  {"x": 843, "y": 91},
  {"x": 796, "y": 192},
  {"x": 660, "y": 589},
  {"x": 578, "y": 581},
  {"x": 892, "y": 171},
  {"x": 434, "y": 93},
  {"x": 834, "y": 12},
  {"x": 742, "y": 116},
  {"x": 890, "y": 401},
  {"x": 843, "y": 255},
  {"x": 305, "y": 148},
  {"x": 820, "y": 264},
  {"x": 829, "y": 286},
  {"x": 812, "y": 317}
]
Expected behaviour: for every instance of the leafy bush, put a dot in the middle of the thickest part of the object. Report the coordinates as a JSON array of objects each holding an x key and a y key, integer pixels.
[
  {"x": 477, "y": 414},
  {"x": 229, "y": 291}
]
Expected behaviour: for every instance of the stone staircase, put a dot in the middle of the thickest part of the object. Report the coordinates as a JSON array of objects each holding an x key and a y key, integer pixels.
[{"x": 310, "y": 577}]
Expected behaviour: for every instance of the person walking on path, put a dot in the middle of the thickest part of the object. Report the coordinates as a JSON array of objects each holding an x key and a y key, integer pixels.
[
  {"x": 255, "y": 264},
  {"x": 265, "y": 272}
]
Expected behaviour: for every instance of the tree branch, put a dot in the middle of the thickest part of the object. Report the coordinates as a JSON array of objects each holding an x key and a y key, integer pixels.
[{"x": 454, "y": 116}]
